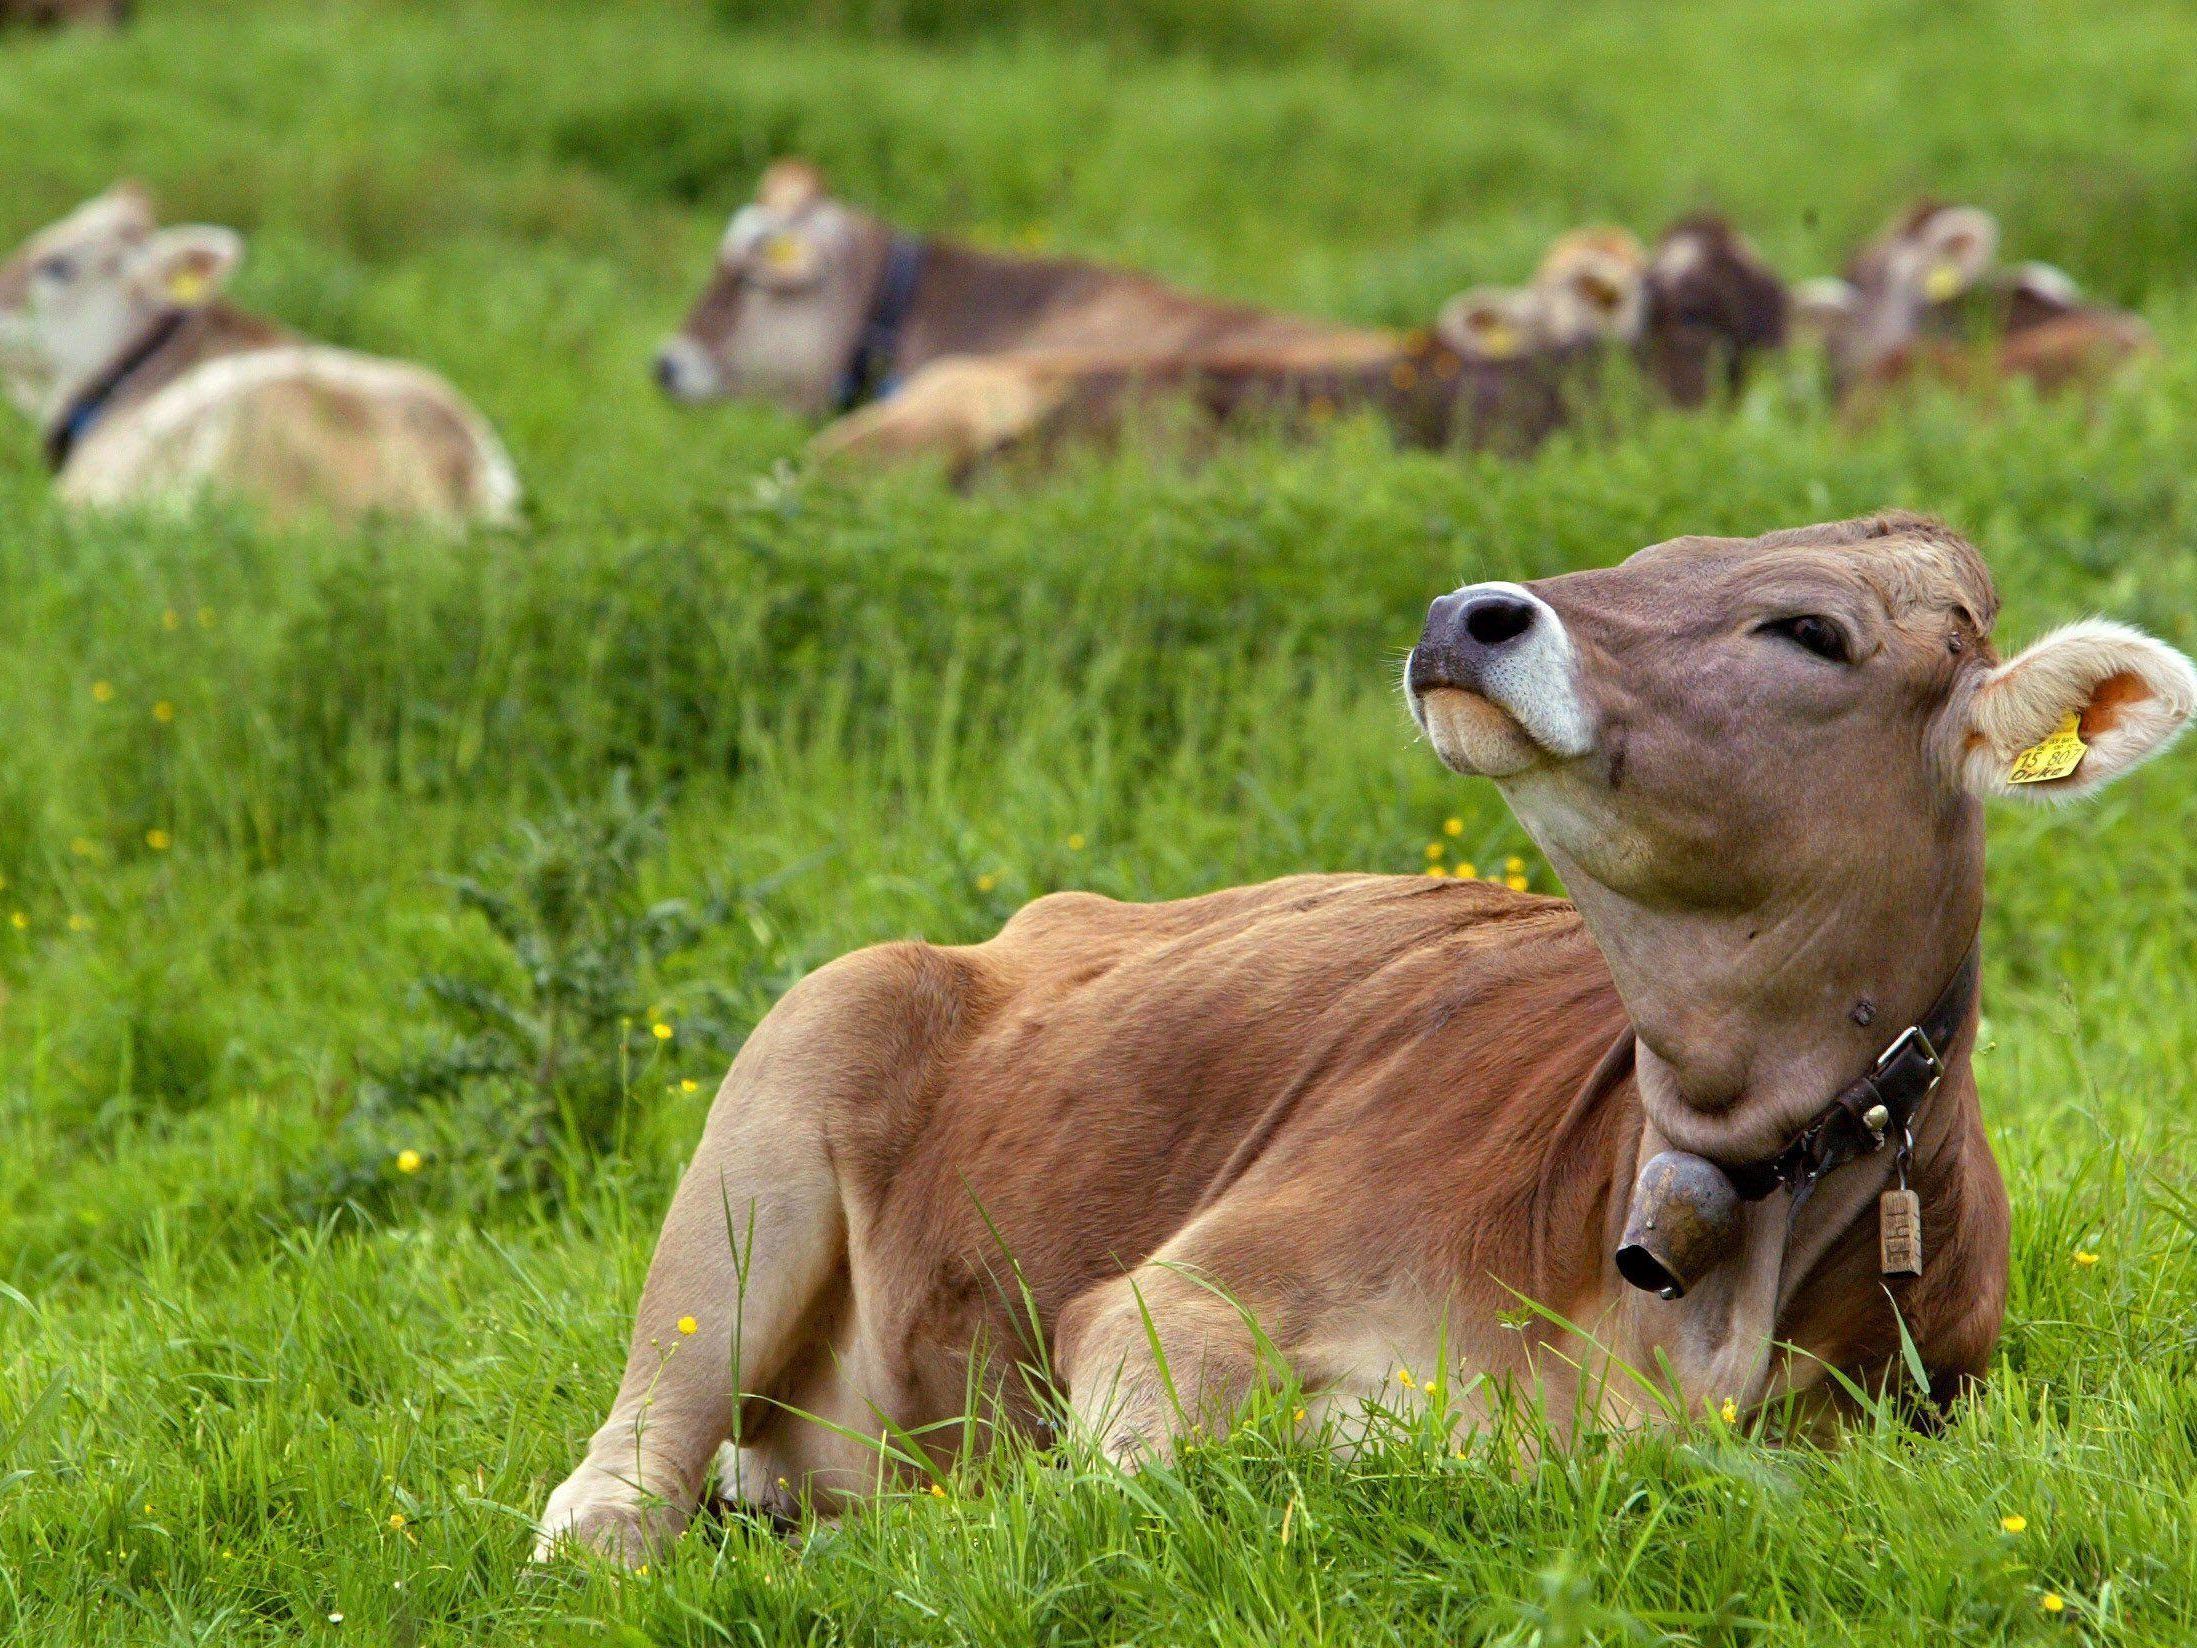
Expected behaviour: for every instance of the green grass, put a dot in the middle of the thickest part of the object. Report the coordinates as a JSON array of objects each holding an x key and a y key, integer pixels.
[{"x": 235, "y": 1341}]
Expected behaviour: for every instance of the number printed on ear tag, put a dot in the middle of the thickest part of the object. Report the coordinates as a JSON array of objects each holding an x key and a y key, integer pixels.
[
  {"x": 2059, "y": 753},
  {"x": 1899, "y": 1233}
]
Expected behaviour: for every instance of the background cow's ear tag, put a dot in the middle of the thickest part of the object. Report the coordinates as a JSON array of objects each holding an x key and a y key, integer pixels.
[
  {"x": 1941, "y": 283},
  {"x": 2057, "y": 755},
  {"x": 187, "y": 286},
  {"x": 785, "y": 254}
]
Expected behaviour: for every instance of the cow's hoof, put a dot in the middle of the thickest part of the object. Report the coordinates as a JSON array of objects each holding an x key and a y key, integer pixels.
[{"x": 594, "y": 1510}]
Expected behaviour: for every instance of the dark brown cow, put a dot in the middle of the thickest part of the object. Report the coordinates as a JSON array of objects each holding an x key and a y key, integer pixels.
[
  {"x": 821, "y": 306},
  {"x": 1501, "y": 369},
  {"x": 1384, "y": 1117},
  {"x": 1928, "y": 298}
]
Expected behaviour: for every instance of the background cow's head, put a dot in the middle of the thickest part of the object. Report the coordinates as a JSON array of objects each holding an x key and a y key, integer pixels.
[
  {"x": 1493, "y": 323},
  {"x": 81, "y": 292},
  {"x": 1921, "y": 267},
  {"x": 1592, "y": 287},
  {"x": 1758, "y": 765},
  {"x": 783, "y": 313},
  {"x": 1711, "y": 302}
]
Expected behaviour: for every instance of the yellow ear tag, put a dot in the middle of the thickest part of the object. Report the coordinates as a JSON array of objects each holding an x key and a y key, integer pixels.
[
  {"x": 1943, "y": 281},
  {"x": 1498, "y": 339},
  {"x": 2059, "y": 754},
  {"x": 187, "y": 286},
  {"x": 784, "y": 253}
]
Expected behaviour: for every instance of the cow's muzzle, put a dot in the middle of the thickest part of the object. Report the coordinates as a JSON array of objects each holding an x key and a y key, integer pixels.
[
  {"x": 1684, "y": 1222},
  {"x": 687, "y": 372},
  {"x": 1493, "y": 682}
]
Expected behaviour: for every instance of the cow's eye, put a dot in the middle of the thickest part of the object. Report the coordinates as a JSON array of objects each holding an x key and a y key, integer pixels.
[{"x": 1813, "y": 634}]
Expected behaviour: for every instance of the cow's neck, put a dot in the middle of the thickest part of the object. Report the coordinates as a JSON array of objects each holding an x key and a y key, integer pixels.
[
  {"x": 1750, "y": 1021},
  {"x": 1748, "y": 1026},
  {"x": 166, "y": 346}
]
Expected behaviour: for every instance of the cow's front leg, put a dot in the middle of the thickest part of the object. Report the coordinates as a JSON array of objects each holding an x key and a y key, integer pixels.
[{"x": 1159, "y": 1353}]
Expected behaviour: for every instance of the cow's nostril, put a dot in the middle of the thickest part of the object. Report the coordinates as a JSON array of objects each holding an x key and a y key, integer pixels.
[
  {"x": 1495, "y": 619},
  {"x": 667, "y": 370}
]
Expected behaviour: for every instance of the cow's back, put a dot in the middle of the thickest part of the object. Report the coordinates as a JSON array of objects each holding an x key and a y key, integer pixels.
[{"x": 301, "y": 429}]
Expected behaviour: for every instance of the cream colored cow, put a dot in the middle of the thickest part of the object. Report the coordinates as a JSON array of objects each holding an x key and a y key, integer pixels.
[{"x": 150, "y": 388}]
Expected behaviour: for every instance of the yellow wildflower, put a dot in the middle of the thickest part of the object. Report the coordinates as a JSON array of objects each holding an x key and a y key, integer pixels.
[
  {"x": 158, "y": 839},
  {"x": 1403, "y": 1377},
  {"x": 1514, "y": 865},
  {"x": 170, "y": 619},
  {"x": 986, "y": 882},
  {"x": 1729, "y": 1413},
  {"x": 660, "y": 1030},
  {"x": 1467, "y": 871},
  {"x": 2014, "y": 1522},
  {"x": 1436, "y": 849},
  {"x": 1075, "y": 842},
  {"x": 1427, "y": 1386},
  {"x": 1436, "y": 871},
  {"x": 1297, "y": 1418},
  {"x": 938, "y": 1490},
  {"x": 102, "y": 692},
  {"x": 2085, "y": 1257},
  {"x": 688, "y": 1324},
  {"x": 2052, "y": 1602},
  {"x": 396, "y": 1519},
  {"x": 1453, "y": 826},
  {"x": 80, "y": 924},
  {"x": 163, "y": 712},
  {"x": 1516, "y": 883},
  {"x": 687, "y": 1084},
  {"x": 18, "y": 920},
  {"x": 408, "y": 1160}
]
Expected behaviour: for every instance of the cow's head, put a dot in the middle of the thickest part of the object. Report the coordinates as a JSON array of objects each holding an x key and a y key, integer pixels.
[
  {"x": 1705, "y": 276},
  {"x": 1758, "y": 765},
  {"x": 1493, "y": 323},
  {"x": 1592, "y": 285},
  {"x": 1927, "y": 260},
  {"x": 81, "y": 292},
  {"x": 783, "y": 313}
]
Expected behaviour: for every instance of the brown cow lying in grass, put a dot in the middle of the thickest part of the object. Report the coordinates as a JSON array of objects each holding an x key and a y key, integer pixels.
[
  {"x": 150, "y": 388},
  {"x": 821, "y": 307},
  {"x": 1377, "y": 1116},
  {"x": 1501, "y": 369},
  {"x": 1928, "y": 297}
]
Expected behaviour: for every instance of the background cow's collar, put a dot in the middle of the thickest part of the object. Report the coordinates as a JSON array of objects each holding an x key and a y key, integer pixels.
[
  {"x": 91, "y": 403},
  {"x": 1850, "y": 1126},
  {"x": 869, "y": 372}
]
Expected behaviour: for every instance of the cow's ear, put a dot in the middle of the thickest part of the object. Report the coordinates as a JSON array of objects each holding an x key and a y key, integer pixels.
[
  {"x": 188, "y": 265},
  {"x": 2075, "y": 711}
]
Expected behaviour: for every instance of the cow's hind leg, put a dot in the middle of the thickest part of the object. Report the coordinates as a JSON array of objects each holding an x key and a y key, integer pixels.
[{"x": 751, "y": 1254}]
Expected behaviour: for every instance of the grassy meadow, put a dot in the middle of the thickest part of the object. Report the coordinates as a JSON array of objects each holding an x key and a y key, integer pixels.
[{"x": 377, "y": 913}]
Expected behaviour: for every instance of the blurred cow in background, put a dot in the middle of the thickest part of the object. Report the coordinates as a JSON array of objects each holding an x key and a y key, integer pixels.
[
  {"x": 1501, "y": 369},
  {"x": 50, "y": 12},
  {"x": 1929, "y": 297},
  {"x": 822, "y": 307},
  {"x": 149, "y": 387}
]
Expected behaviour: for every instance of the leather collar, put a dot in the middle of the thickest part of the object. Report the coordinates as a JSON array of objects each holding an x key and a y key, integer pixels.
[
  {"x": 90, "y": 404},
  {"x": 869, "y": 372},
  {"x": 1880, "y": 1106}
]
